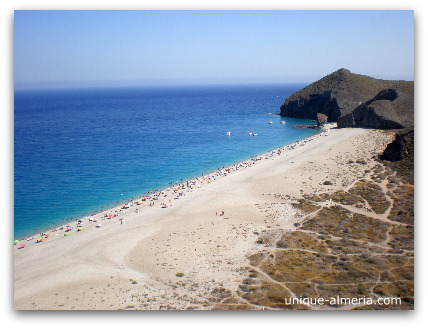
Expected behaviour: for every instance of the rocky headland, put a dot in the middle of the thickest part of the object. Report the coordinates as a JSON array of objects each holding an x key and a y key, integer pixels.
[
  {"x": 357, "y": 239},
  {"x": 354, "y": 100}
]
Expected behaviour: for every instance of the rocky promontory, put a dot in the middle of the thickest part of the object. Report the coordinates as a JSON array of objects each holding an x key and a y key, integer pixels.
[{"x": 354, "y": 100}]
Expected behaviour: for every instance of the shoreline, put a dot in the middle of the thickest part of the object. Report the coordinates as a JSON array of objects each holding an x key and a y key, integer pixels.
[
  {"x": 161, "y": 189},
  {"x": 181, "y": 256}
]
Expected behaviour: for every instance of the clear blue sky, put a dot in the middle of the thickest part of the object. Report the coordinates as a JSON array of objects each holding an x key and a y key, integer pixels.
[{"x": 116, "y": 48}]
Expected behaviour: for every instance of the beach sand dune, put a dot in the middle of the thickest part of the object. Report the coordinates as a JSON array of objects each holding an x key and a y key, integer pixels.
[{"x": 184, "y": 255}]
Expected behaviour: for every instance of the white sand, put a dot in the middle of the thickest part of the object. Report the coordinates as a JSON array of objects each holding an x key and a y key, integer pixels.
[{"x": 134, "y": 265}]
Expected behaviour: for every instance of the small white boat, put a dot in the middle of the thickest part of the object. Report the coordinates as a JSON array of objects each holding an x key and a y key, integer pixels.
[
  {"x": 282, "y": 122},
  {"x": 228, "y": 133},
  {"x": 270, "y": 122}
]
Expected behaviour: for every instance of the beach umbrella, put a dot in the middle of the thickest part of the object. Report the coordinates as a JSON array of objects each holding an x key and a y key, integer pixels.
[
  {"x": 22, "y": 245},
  {"x": 15, "y": 242}
]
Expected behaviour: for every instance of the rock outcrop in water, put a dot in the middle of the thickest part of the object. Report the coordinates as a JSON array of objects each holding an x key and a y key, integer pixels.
[
  {"x": 321, "y": 120},
  {"x": 354, "y": 100}
]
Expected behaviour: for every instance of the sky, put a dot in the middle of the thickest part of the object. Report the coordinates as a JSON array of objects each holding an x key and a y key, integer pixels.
[{"x": 149, "y": 47}]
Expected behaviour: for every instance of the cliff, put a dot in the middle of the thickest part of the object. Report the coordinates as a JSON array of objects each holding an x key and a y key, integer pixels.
[
  {"x": 354, "y": 100},
  {"x": 399, "y": 155},
  {"x": 402, "y": 147}
]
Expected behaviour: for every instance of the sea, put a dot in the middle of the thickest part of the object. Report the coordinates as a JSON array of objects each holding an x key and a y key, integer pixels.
[{"x": 80, "y": 151}]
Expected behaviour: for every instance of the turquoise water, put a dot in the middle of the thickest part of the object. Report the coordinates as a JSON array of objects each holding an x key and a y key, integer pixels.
[{"x": 79, "y": 151}]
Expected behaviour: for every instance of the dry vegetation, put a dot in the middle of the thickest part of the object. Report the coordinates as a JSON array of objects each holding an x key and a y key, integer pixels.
[{"x": 356, "y": 242}]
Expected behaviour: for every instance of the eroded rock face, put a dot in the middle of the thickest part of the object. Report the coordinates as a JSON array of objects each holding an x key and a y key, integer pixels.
[
  {"x": 321, "y": 120},
  {"x": 372, "y": 118},
  {"x": 381, "y": 112},
  {"x": 399, "y": 155},
  {"x": 401, "y": 147},
  {"x": 388, "y": 94},
  {"x": 309, "y": 107},
  {"x": 346, "y": 121}
]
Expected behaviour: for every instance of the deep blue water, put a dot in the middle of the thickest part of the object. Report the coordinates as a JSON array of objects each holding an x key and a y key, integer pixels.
[{"x": 79, "y": 150}]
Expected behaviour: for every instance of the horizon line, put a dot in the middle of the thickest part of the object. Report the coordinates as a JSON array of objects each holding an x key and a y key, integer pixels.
[{"x": 154, "y": 85}]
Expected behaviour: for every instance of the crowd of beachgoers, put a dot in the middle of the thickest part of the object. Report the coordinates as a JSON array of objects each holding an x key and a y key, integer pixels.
[{"x": 164, "y": 198}]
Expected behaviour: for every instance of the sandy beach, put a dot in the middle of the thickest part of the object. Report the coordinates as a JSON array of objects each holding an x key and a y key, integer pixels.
[{"x": 182, "y": 254}]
